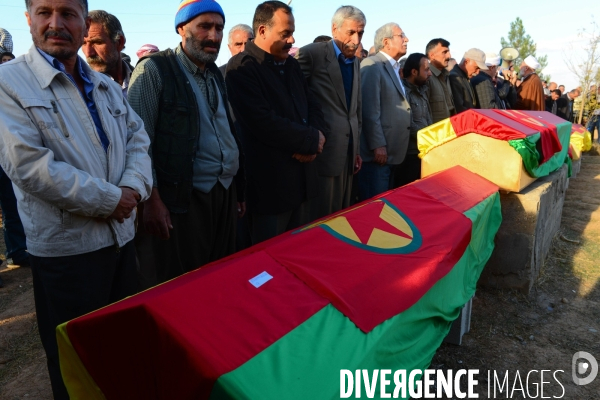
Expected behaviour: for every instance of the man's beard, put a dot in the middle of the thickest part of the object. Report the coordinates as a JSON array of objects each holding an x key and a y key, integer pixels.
[
  {"x": 60, "y": 53},
  {"x": 195, "y": 49},
  {"x": 351, "y": 48},
  {"x": 102, "y": 66}
]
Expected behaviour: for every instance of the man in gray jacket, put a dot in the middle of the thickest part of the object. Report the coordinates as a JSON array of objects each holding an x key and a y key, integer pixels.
[
  {"x": 385, "y": 112},
  {"x": 333, "y": 74},
  {"x": 77, "y": 155}
]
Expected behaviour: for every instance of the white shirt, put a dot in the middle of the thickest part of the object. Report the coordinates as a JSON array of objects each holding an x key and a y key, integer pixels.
[{"x": 396, "y": 66}]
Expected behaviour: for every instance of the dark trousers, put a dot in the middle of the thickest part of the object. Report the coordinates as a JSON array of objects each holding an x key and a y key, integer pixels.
[
  {"x": 14, "y": 235},
  {"x": 68, "y": 287},
  {"x": 335, "y": 192},
  {"x": 593, "y": 124},
  {"x": 407, "y": 172},
  {"x": 205, "y": 233},
  {"x": 264, "y": 227},
  {"x": 374, "y": 179}
]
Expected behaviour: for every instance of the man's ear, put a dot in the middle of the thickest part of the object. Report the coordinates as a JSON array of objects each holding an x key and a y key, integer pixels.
[
  {"x": 121, "y": 43},
  {"x": 262, "y": 29},
  {"x": 181, "y": 31}
]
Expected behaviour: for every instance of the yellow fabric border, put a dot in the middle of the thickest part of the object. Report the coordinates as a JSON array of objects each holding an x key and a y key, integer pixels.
[
  {"x": 580, "y": 141},
  {"x": 435, "y": 135},
  {"x": 78, "y": 381},
  {"x": 587, "y": 141}
]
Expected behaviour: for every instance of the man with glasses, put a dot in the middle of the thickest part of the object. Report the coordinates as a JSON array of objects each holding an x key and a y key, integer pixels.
[{"x": 385, "y": 112}]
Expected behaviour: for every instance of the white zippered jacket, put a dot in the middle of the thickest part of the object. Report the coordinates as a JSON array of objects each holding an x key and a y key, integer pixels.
[{"x": 65, "y": 183}]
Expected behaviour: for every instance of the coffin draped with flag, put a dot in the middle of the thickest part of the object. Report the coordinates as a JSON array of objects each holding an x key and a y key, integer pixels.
[
  {"x": 376, "y": 286},
  {"x": 508, "y": 147}
]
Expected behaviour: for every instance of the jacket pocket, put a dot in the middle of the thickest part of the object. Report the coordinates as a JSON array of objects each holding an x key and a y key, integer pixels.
[
  {"x": 118, "y": 122},
  {"x": 47, "y": 117}
]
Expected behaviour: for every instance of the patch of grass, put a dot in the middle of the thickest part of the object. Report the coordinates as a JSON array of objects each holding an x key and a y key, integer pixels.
[{"x": 19, "y": 352}]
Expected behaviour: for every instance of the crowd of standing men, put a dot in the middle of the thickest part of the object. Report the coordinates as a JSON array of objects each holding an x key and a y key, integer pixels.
[{"x": 195, "y": 153}]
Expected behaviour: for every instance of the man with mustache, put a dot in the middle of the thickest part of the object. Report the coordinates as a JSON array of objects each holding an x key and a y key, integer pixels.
[
  {"x": 282, "y": 123},
  {"x": 103, "y": 45},
  {"x": 385, "y": 112},
  {"x": 180, "y": 94},
  {"x": 439, "y": 93},
  {"x": 77, "y": 155},
  {"x": 332, "y": 71}
]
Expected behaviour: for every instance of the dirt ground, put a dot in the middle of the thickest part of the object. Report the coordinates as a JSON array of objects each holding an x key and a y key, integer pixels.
[{"x": 509, "y": 331}]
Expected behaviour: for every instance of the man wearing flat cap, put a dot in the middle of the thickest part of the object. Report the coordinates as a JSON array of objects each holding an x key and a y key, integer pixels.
[
  {"x": 530, "y": 91},
  {"x": 469, "y": 66},
  {"x": 484, "y": 84},
  {"x": 180, "y": 94}
]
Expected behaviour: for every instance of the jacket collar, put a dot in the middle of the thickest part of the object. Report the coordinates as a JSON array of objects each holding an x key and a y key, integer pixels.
[
  {"x": 414, "y": 88},
  {"x": 459, "y": 71},
  {"x": 437, "y": 72},
  {"x": 45, "y": 73},
  {"x": 259, "y": 54}
]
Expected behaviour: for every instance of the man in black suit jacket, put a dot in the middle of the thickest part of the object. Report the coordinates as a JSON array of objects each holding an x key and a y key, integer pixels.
[
  {"x": 569, "y": 98},
  {"x": 557, "y": 105},
  {"x": 283, "y": 125},
  {"x": 469, "y": 66}
]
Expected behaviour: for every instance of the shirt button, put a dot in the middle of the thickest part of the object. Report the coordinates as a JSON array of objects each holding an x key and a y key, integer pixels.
[{"x": 117, "y": 112}]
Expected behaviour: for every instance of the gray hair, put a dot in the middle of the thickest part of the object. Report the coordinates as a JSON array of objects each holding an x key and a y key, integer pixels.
[
  {"x": 84, "y": 5},
  {"x": 240, "y": 27},
  {"x": 347, "y": 12},
  {"x": 109, "y": 22},
  {"x": 386, "y": 31}
]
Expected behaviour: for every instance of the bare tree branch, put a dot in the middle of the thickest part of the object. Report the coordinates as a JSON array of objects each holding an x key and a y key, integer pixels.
[{"x": 586, "y": 67}]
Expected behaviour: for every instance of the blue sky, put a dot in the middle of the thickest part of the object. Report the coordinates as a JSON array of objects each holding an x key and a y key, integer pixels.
[{"x": 551, "y": 24}]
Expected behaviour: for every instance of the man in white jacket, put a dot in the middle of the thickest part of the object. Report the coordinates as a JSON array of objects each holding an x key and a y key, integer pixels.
[{"x": 77, "y": 155}]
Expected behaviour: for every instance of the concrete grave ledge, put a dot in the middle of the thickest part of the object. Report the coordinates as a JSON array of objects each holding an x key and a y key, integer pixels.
[
  {"x": 530, "y": 219},
  {"x": 576, "y": 167}
]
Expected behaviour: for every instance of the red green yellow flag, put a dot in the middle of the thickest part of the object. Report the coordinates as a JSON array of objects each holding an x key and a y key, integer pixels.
[{"x": 376, "y": 286}]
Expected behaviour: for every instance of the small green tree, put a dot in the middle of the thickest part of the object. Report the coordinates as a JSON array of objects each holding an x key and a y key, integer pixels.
[{"x": 521, "y": 41}]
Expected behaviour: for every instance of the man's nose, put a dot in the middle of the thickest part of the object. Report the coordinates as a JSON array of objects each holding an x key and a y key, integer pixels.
[{"x": 56, "y": 21}]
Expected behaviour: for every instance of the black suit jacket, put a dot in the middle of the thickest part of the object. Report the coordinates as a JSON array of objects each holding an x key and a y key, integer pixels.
[
  {"x": 464, "y": 98},
  {"x": 279, "y": 117},
  {"x": 549, "y": 104},
  {"x": 563, "y": 108},
  {"x": 223, "y": 69}
]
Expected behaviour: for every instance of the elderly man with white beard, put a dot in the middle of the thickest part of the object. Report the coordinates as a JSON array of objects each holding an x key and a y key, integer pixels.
[
  {"x": 530, "y": 91},
  {"x": 190, "y": 218}
]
